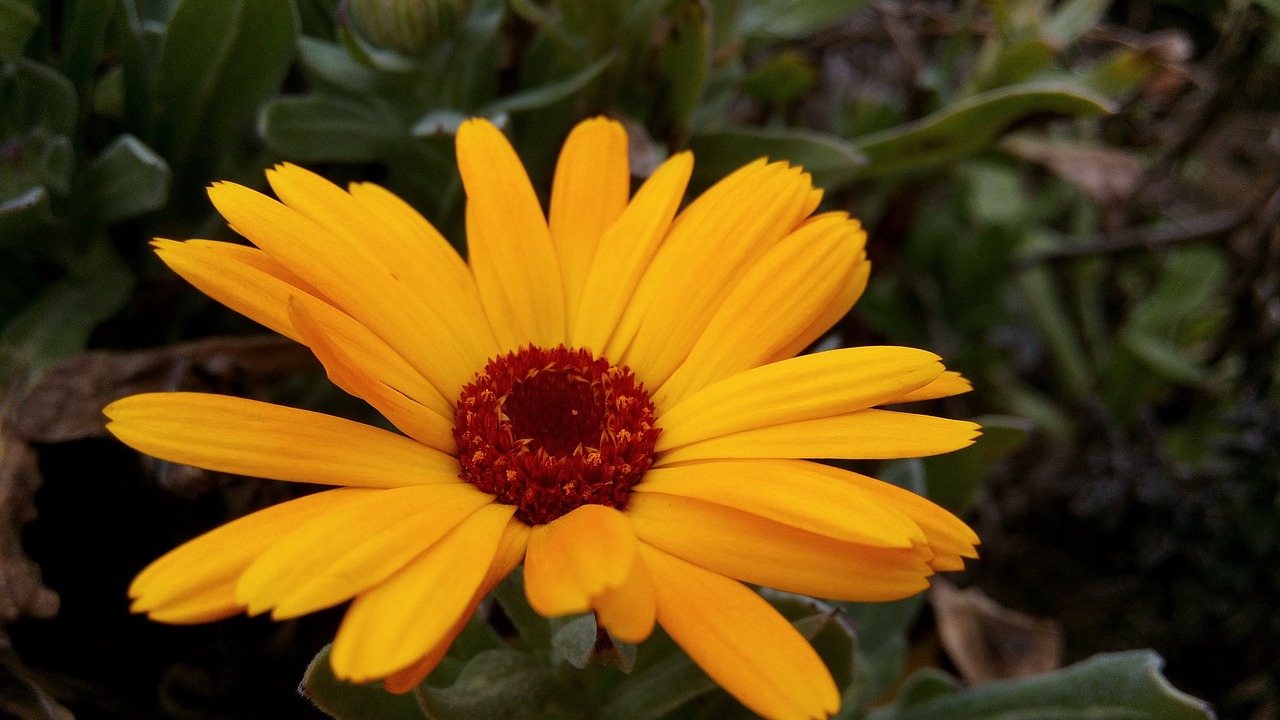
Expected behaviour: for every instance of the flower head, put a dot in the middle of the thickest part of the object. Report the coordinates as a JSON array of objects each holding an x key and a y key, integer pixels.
[{"x": 607, "y": 393}]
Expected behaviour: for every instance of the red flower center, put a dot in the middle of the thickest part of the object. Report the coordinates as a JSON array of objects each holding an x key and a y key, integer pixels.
[{"x": 551, "y": 430}]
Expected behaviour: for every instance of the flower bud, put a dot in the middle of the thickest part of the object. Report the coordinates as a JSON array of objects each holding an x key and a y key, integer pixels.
[{"x": 411, "y": 27}]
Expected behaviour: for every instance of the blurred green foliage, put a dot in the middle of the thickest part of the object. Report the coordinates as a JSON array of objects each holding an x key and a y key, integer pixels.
[{"x": 1047, "y": 205}]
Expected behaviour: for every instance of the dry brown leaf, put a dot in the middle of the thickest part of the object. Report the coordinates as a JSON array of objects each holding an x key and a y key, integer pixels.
[
  {"x": 987, "y": 641},
  {"x": 1108, "y": 176},
  {"x": 66, "y": 404}
]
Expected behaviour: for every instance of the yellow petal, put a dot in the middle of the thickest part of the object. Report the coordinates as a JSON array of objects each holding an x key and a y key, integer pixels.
[
  {"x": 351, "y": 548},
  {"x": 250, "y": 282},
  {"x": 591, "y": 187},
  {"x": 758, "y": 550},
  {"x": 515, "y": 265},
  {"x": 417, "y": 421},
  {"x": 426, "y": 261},
  {"x": 628, "y": 611},
  {"x": 741, "y": 641},
  {"x": 359, "y": 282},
  {"x": 789, "y": 492},
  {"x": 775, "y": 304},
  {"x": 836, "y": 309},
  {"x": 195, "y": 582},
  {"x": 420, "y": 265},
  {"x": 709, "y": 246},
  {"x": 247, "y": 437},
  {"x": 625, "y": 251},
  {"x": 801, "y": 388},
  {"x": 945, "y": 385},
  {"x": 243, "y": 278},
  {"x": 395, "y": 624},
  {"x": 511, "y": 550},
  {"x": 576, "y": 557},
  {"x": 947, "y": 535},
  {"x": 865, "y": 434}
]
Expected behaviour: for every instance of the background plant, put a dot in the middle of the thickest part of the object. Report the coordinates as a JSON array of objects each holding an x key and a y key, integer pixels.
[{"x": 1075, "y": 202}]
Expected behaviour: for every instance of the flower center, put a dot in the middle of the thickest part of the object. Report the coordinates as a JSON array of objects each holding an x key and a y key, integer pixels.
[{"x": 551, "y": 430}]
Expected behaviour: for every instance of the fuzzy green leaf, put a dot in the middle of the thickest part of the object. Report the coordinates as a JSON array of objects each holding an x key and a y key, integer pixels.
[
  {"x": 494, "y": 684},
  {"x": 346, "y": 701},
  {"x": 128, "y": 179},
  {"x": 1112, "y": 686}
]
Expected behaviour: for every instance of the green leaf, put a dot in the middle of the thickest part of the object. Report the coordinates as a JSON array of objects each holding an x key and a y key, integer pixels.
[
  {"x": 58, "y": 324},
  {"x": 575, "y": 641},
  {"x": 544, "y": 95},
  {"x": 346, "y": 701},
  {"x": 330, "y": 63},
  {"x": 791, "y": 19},
  {"x": 830, "y": 160},
  {"x": 1112, "y": 686},
  {"x": 685, "y": 62},
  {"x": 955, "y": 477},
  {"x": 781, "y": 79},
  {"x": 1072, "y": 19},
  {"x": 18, "y": 19},
  {"x": 35, "y": 96},
  {"x": 1164, "y": 357},
  {"x": 324, "y": 128},
  {"x": 823, "y": 625},
  {"x": 128, "y": 179},
  {"x": 495, "y": 684},
  {"x": 657, "y": 690},
  {"x": 531, "y": 626},
  {"x": 578, "y": 642},
  {"x": 971, "y": 125},
  {"x": 881, "y": 631},
  {"x": 219, "y": 61},
  {"x": 22, "y": 214},
  {"x": 85, "y": 28}
]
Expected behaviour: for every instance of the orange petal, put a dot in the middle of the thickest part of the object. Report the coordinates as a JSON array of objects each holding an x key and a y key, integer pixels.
[
  {"x": 765, "y": 314},
  {"x": 591, "y": 188},
  {"x": 247, "y": 437},
  {"x": 708, "y": 248},
  {"x": 397, "y": 623},
  {"x": 511, "y": 549},
  {"x": 195, "y": 582},
  {"x": 625, "y": 251},
  {"x": 511, "y": 254},
  {"x": 866, "y": 434},
  {"x": 755, "y": 549},
  {"x": 740, "y": 641},
  {"x": 351, "y": 548},
  {"x": 808, "y": 387},
  {"x": 417, "y": 421},
  {"x": 945, "y": 385},
  {"x": 576, "y": 557},
  {"x": 789, "y": 492}
]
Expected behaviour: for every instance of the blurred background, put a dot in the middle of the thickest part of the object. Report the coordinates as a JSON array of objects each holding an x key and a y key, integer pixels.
[{"x": 1075, "y": 203}]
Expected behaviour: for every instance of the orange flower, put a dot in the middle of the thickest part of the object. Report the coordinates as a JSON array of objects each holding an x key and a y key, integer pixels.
[{"x": 608, "y": 395}]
